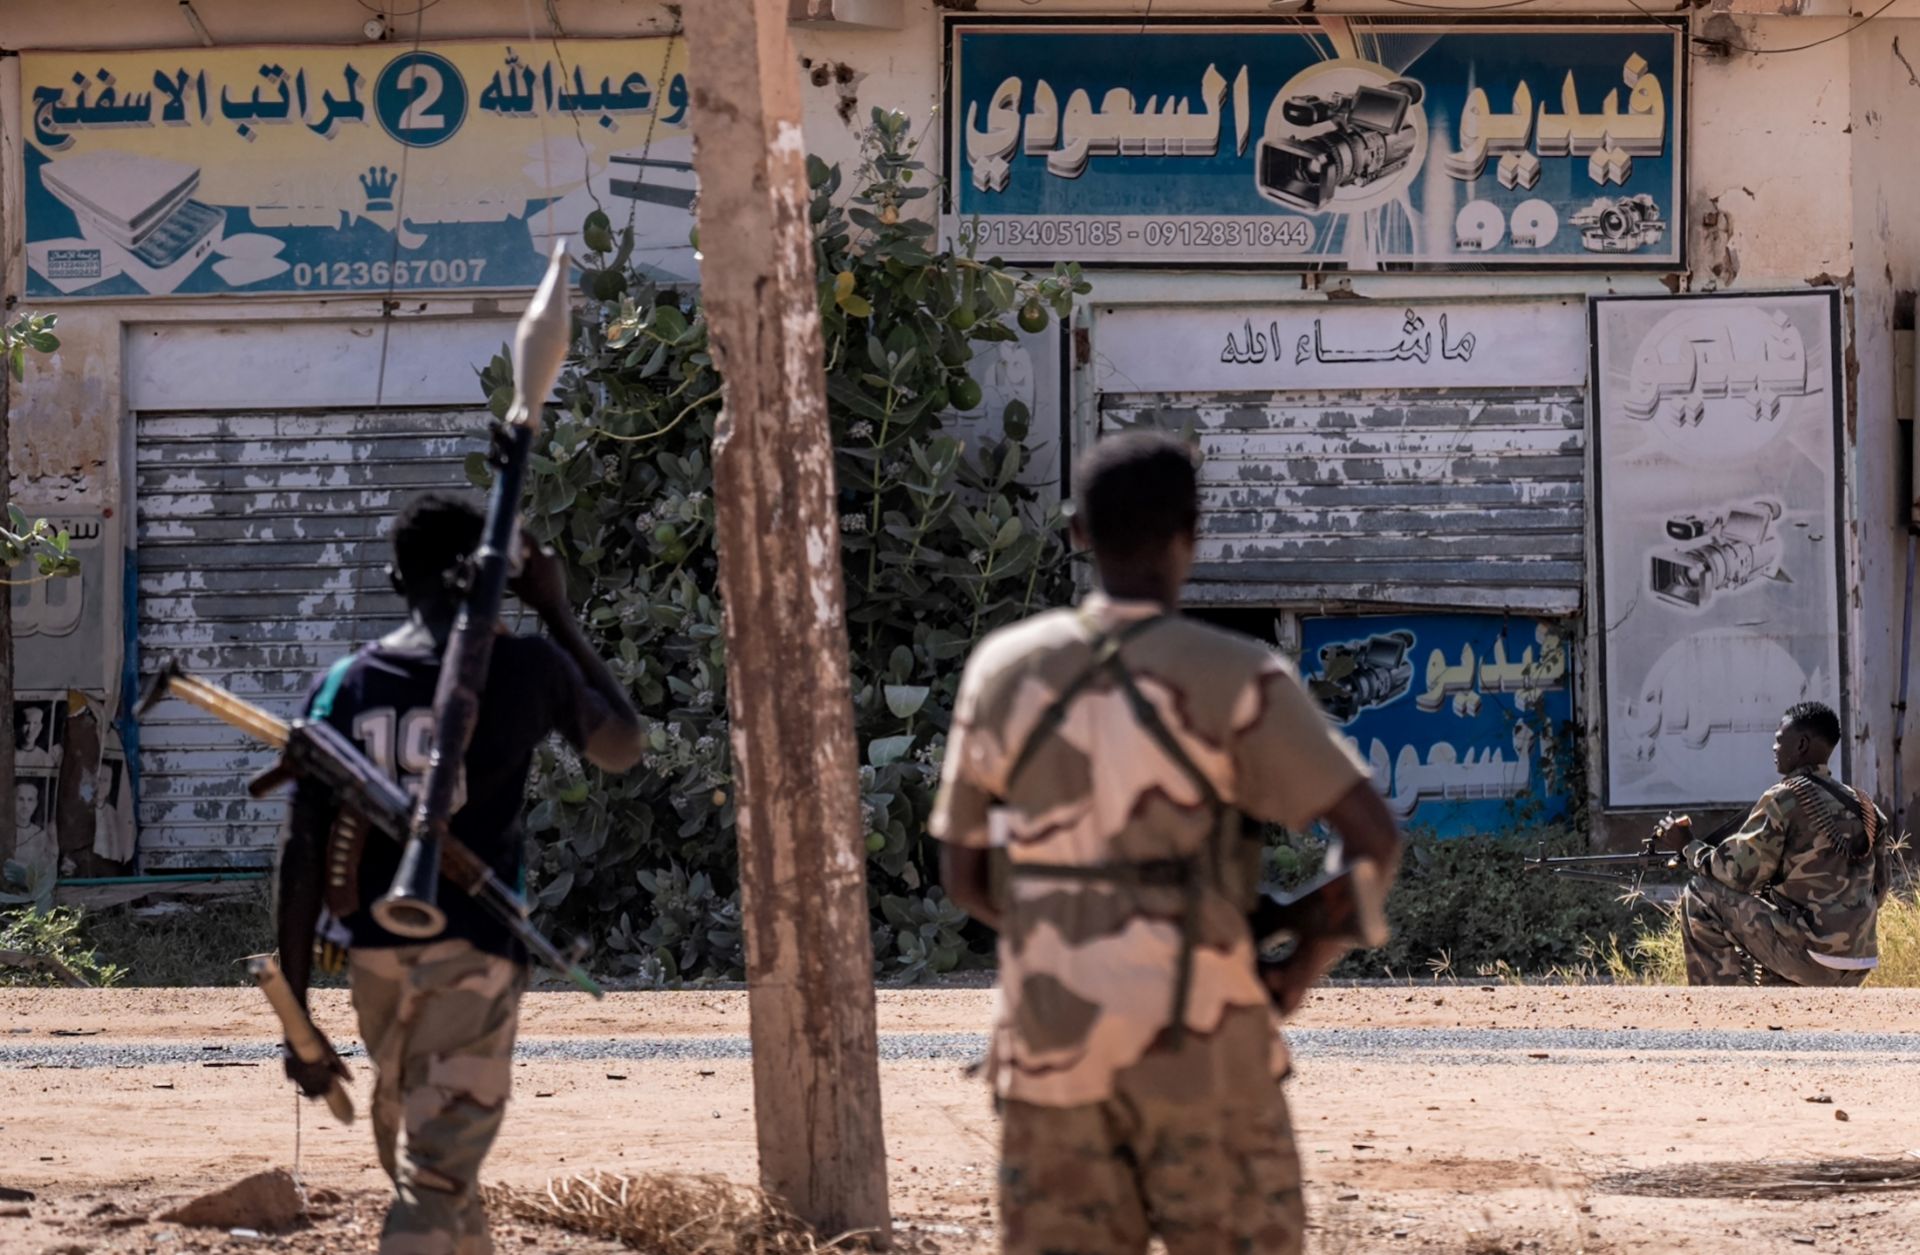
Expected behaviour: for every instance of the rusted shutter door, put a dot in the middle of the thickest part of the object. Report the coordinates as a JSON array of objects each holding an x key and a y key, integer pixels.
[
  {"x": 262, "y": 555},
  {"x": 1442, "y": 499}
]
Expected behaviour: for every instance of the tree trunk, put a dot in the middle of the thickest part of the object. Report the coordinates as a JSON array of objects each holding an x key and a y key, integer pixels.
[
  {"x": 802, "y": 854},
  {"x": 9, "y": 834}
]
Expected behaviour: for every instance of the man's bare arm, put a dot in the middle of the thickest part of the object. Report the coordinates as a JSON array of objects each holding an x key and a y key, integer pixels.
[
  {"x": 964, "y": 874},
  {"x": 1367, "y": 830},
  {"x": 615, "y": 743},
  {"x": 297, "y": 897}
]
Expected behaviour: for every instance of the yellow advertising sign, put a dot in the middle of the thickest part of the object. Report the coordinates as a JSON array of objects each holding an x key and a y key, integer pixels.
[{"x": 273, "y": 170}]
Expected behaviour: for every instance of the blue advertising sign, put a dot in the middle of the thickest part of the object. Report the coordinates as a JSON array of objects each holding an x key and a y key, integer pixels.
[
  {"x": 1458, "y": 714},
  {"x": 351, "y": 168},
  {"x": 1316, "y": 143}
]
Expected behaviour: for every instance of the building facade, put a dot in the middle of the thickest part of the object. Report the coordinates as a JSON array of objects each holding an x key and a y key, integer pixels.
[{"x": 1548, "y": 364}]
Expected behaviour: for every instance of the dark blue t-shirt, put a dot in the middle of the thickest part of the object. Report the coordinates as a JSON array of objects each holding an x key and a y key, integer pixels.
[{"x": 382, "y": 699}]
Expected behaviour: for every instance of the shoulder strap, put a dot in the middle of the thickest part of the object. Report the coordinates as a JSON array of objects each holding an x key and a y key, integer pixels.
[
  {"x": 336, "y": 676},
  {"x": 1106, "y": 649}
]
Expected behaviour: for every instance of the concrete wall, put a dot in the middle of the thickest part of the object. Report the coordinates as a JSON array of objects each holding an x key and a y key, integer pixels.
[{"x": 1886, "y": 264}]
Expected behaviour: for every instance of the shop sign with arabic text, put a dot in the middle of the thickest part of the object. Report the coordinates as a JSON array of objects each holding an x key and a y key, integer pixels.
[
  {"x": 1327, "y": 345},
  {"x": 1308, "y": 144},
  {"x": 325, "y": 170}
]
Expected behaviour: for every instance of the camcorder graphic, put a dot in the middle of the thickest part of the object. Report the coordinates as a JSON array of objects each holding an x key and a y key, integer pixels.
[
  {"x": 1370, "y": 136},
  {"x": 1718, "y": 556},
  {"x": 1625, "y": 225},
  {"x": 1357, "y": 675}
]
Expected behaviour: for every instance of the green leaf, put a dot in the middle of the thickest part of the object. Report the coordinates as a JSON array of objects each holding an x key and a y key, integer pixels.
[
  {"x": 818, "y": 172},
  {"x": 885, "y": 750},
  {"x": 1008, "y": 533},
  {"x": 900, "y": 663},
  {"x": 905, "y": 700},
  {"x": 668, "y": 323}
]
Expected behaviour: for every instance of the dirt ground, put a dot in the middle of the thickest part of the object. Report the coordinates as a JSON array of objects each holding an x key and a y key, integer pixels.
[{"x": 1414, "y": 1138}]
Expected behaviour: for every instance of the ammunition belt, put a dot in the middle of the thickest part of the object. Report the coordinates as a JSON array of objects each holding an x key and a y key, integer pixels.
[
  {"x": 1828, "y": 819},
  {"x": 344, "y": 845}
]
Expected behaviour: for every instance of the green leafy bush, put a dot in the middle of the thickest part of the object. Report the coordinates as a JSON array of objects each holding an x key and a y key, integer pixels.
[
  {"x": 1465, "y": 906},
  {"x": 941, "y": 543},
  {"x": 42, "y": 943}
]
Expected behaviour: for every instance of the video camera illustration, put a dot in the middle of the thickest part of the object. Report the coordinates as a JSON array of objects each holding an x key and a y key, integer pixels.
[
  {"x": 1718, "y": 556},
  {"x": 1358, "y": 675},
  {"x": 1626, "y": 225},
  {"x": 1369, "y": 136}
]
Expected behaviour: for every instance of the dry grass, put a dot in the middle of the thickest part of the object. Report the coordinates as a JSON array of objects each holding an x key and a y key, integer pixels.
[
  {"x": 667, "y": 1214},
  {"x": 1655, "y": 956}
]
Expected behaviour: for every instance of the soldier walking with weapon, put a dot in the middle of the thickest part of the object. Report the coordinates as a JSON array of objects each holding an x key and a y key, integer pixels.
[
  {"x": 452, "y": 707},
  {"x": 1106, "y": 753},
  {"x": 439, "y": 1017}
]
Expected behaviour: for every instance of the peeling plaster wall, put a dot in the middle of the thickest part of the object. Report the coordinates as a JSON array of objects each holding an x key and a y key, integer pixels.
[
  {"x": 1886, "y": 227},
  {"x": 1803, "y": 173},
  {"x": 1770, "y": 154}
]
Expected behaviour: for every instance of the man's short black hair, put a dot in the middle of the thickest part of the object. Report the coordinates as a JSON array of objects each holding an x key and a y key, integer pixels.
[
  {"x": 1817, "y": 720},
  {"x": 433, "y": 533},
  {"x": 1134, "y": 493}
]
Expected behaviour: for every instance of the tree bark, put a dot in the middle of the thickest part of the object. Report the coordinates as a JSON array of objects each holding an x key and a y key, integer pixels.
[
  {"x": 9, "y": 834},
  {"x": 802, "y": 853}
]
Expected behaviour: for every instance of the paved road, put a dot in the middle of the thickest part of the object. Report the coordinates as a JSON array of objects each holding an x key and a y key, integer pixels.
[{"x": 1436, "y": 1047}]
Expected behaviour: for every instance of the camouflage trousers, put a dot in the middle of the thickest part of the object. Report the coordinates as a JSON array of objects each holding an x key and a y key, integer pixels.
[
  {"x": 1194, "y": 1144},
  {"x": 1724, "y": 929},
  {"x": 438, "y": 1021}
]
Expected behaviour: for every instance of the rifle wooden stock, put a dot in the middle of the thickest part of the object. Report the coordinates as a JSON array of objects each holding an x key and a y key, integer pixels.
[{"x": 308, "y": 1043}]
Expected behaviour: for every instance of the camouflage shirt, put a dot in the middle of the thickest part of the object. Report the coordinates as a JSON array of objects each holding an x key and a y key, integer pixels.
[
  {"x": 1087, "y": 968},
  {"x": 1795, "y": 849}
]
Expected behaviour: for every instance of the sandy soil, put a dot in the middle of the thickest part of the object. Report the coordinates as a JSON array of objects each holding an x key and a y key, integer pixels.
[{"x": 1509, "y": 1154}]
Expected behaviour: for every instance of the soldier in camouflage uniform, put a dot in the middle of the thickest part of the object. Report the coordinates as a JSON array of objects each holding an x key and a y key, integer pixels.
[
  {"x": 439, "y": 1017},
  {"x": 1796, "y": 890},
  {"x": 1094, "y": 751}
]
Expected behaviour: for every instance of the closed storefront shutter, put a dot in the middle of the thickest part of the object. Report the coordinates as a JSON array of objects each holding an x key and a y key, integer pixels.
[
  {"x": 262, "y": 553},
  {"x": 1456, "y": 498}
]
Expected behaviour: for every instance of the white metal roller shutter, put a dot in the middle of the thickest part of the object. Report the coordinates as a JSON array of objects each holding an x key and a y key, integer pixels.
[
  {"x": 262, "y": 554},
  {"x": 1448, "y": 499}
]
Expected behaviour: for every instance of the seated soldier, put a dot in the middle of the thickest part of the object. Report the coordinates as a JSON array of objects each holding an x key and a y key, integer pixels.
[{"x": 1796, "y": 890}]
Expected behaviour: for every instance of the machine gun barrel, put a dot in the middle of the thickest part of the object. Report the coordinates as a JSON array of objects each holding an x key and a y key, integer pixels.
[{"x": 1627, "y": 869}]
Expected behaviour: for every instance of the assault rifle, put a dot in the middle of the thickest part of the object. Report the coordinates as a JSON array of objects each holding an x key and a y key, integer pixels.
[
  {"x": 315, "y": 750},
  {"x": 1347, "y": 907}
]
